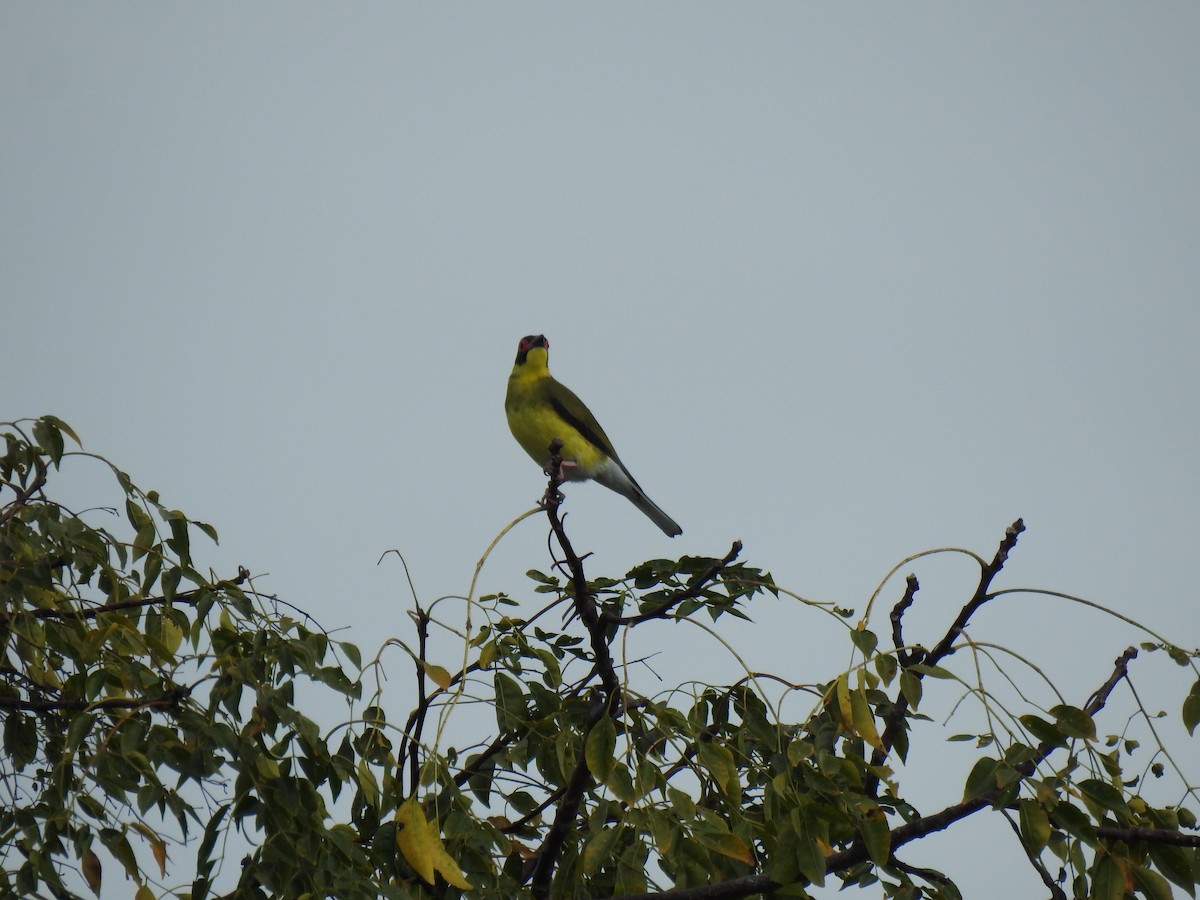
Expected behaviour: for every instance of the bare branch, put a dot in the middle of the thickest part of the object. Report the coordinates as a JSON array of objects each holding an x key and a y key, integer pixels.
[
  {"x": 905, "y": 657},
  {"x": 896, "y": 717}
]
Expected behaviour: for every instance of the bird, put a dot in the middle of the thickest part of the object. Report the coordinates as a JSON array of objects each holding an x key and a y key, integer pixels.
[{"x": 540, "y": 409}]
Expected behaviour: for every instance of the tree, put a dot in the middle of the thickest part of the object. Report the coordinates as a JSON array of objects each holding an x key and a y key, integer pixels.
[{"x": 151, "y": 710}]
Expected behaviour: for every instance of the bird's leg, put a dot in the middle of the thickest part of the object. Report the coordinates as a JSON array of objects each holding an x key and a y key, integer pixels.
[
  {"x": 553, "y": 494},
  {"x": 554, "y": 469}
]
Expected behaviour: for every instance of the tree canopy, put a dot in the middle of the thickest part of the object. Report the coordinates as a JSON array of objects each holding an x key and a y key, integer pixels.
[{"x": 157, "y": 716}]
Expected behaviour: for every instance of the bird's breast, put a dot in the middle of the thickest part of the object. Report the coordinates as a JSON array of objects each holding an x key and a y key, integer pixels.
[{"x": 535, "y": 425}]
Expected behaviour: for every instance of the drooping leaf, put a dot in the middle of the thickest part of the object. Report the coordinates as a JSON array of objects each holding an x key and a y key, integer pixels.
[
  {"x": 864, "y": 721},
  {"x": 598, "y": 750},
  {"x": 421, "y": 844},
  {"x": 873, "y": 825},
  {"x": 92, "y": 871},
  {"x": 718, "y": 761},
  {"x": 1153, "y": 885},
  {"x": 723, "y": 842},
  {"x": 1175, "y": 863},
  {"x": 1109, "y": 880},
  {"x": 1034, "y": 824},
  {"x": 1191, "y": 708}
]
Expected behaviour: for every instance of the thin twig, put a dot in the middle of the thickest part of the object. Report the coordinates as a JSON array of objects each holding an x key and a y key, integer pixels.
[{"x": 1056, "y": 892}]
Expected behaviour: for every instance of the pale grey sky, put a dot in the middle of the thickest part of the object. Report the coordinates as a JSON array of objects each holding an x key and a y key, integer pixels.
[{"x": 843, "y": 281}]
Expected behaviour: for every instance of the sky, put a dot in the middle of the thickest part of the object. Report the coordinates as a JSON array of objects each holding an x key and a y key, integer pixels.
[{"x": 843, "y": 281}]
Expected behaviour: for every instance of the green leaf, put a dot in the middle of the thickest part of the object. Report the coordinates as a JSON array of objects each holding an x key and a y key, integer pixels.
[
  {"x": 1074, "y": 821},
  {"x": 209, "y": 530},
  {"x": 621, "y": 783},
  {"x": 1191, "y": 708},
  {"x": 872, "y": 824},
  {"x": 599, "y": 849},
  {"x": 1151, "y": 883},
  {"x": 49, "y": 439},
  {"x": 510, "y": 702},
  {"x": 20, "y": 739},
  {"x": 865, "y": 641},
  {"x": 982, "y": 778},
  {"x": 601, "y": 742},
  {"x": 352, "y": 653},
  {"x": 910, "y": 687},
  {"x": 1105, "y": 796},
  {"x": 810, "y": 859},
  {"x": 1046, "y": 732},
  {"x": 1074, "y": 722},
  {"x": 934, "y": 671},
  {"x": 1034, "y": 824},
  {"x": 1108, "y": 882},
  {"x": 1175, "y": 863},
  {"x": 718, "y": 761},
  {"x": 170, "y": 582},
  {"x": 886, "y": 666},
  {"x": 63, "y": 426}
]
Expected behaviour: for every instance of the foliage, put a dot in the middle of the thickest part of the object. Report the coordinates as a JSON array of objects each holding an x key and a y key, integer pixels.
[{"x": 151, "y": 709}]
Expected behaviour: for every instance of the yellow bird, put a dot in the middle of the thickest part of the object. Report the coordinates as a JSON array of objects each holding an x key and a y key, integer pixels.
[{"x": 540, "y": 409}]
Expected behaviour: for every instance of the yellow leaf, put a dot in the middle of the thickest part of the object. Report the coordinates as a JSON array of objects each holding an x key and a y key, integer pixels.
[
  {"x": 439, "y": 675},
  {"x": 488, "y": 655},
  {"x": 144, "y": 893},
  {"x": 419, "y": 841},
  {"x": 842, "y": 691},
  {"x": 864, "y": 722},
  {"x": 727, "y": 844}
]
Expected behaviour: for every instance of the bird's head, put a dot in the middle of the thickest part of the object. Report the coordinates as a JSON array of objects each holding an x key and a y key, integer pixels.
[{"x": 535, "y": 349}]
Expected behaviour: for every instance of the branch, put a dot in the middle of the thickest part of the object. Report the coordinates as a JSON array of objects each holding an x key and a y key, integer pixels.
[
  {"x": 945, "y": 647},
  {"x": 162, "y": 701},
  {"x": 585, "y": 604},
  {"x": 1056, "y": 892},
  {"x": 93, "y": 611},
  {"x": 476, "y": 765},
  {"x": 747, "y": 885},
  {"x": 895, "y": 719},
  {"x": 39, "y": 481},
  {"x": 1153, "y": 835},
  {"x": 540, "y": 870},
  {"x": 692, "y": 591},
  {"x": 905, "y": 657},
  {"x": 416, "y": 723},
  {"x": 541, "y": 867}
]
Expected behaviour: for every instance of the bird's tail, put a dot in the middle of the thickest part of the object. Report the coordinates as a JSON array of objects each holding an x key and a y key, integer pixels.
[{"x": 617, "y": 478}]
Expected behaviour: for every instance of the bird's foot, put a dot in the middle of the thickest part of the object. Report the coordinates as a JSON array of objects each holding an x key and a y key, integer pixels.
[{"x": 562, "y": 464}]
